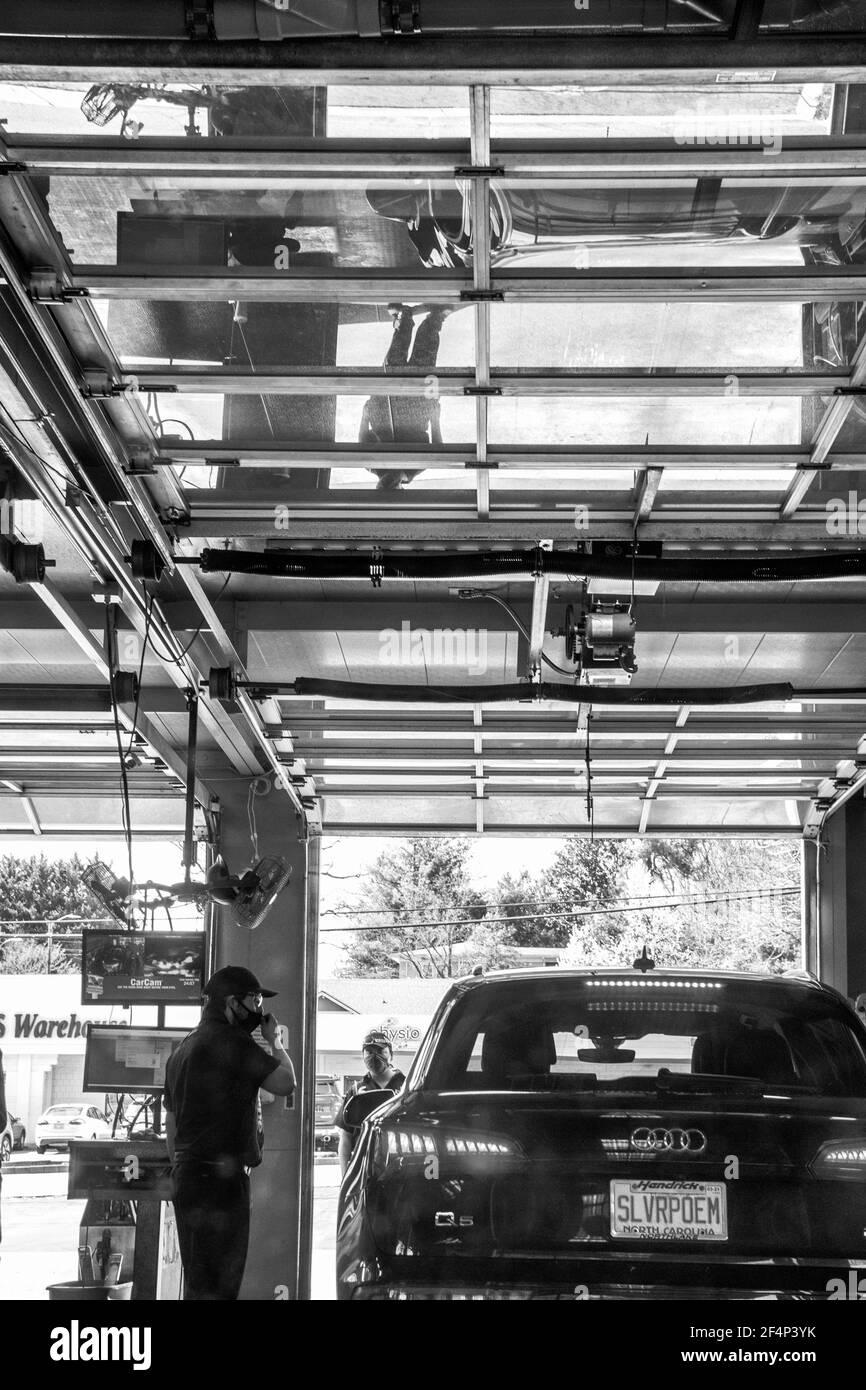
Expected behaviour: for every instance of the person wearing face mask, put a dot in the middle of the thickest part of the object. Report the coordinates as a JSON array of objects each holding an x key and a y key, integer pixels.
[
  {"x": 381, "y": 1074},
  {"x": 214, "y": 1131}
]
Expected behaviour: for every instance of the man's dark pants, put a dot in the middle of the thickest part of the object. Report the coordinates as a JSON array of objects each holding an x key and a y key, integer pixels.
[{"x": 212, "y": 1208}]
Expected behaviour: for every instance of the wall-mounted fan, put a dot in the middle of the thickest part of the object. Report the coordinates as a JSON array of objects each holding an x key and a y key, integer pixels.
[{"x": 250, "y": 894}]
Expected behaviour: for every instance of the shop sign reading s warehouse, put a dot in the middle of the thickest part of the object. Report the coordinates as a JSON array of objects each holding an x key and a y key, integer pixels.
[{"x": 33, "y": 1025}]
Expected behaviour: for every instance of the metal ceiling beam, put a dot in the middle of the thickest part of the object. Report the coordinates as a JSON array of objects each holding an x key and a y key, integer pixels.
[
  {"x": 70, "y": 784},
  {"x": 101, "y": 549},
  {"x": 54, "y": 699},
  {"x": 562, "y": 763},
  {"x": 479, "y": 197},
  {"x": 825, "y": 436},
  {"x": 609, "y": 830},
  {"x": 568, "y": 787},
  {"x": 89, "y": 833},
  {"x": 646, "y": 492},
  {"x": 89, "y": 532},
  {"x": 26, "y": 804},
  {"x": 432, "y": 518},
  {"x": 451, "y": 381},
  {"x": 785, "y": 284},
  {"x": 342, "y": 758},
  {"x": 279, "y": 454},
  {"x": 98, "y": 543},
  {"x": 537, "y": 626},
  {"x": 66, "y": 615},
  {"x": 514, "y": 59},
  {"x": 175, "y": 162},
  {"x": 373, "y": 615},
  {"x": 642, "y": 721}
]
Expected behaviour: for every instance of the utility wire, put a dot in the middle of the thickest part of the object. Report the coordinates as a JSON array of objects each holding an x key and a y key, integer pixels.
[
  {"x": 549, "y": 902},
  {"x": 546, "y": 916}
]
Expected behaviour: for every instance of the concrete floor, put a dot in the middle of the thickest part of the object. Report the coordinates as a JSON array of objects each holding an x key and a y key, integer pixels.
[{"x": 40, "y": 1233}]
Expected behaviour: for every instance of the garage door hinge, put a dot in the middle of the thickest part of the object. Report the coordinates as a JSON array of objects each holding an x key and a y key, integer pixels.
[
  {"x": 849, "y": 391},
  {"x": 481, "y": 296},
  {"x": 377, "y": 568},
  {"x": 10, "y": 168},
  {"x": 46, "y": 288},
  {"x": 482, "y": 390},
  {"x": 479, "y": 171},
  {"x": 199, "y": 16},
  {"x": 401, "y": 17}
]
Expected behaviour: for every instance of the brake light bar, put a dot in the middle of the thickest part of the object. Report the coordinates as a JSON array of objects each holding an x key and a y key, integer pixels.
[{"x": 654, "y": 984}]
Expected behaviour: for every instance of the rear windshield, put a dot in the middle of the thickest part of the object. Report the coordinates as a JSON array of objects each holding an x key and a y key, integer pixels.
[
  {"x": 57, "y": 1110},
  {"x": 632, "y": 1034}
]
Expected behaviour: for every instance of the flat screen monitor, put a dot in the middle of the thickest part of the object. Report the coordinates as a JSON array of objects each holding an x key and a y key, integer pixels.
[
  {"x": 117, "y": 1058},
  {"x": 123, "y": 967}
]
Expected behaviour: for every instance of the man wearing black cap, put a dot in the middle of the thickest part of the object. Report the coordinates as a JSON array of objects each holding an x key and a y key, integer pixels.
[
  {"x": 213, "y": 1128},
  {"x": 376, "y": 1051}
]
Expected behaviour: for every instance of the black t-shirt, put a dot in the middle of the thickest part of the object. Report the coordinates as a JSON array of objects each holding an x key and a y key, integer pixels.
[
  {"x": 211, "y": 1086},
  {"x": 365, "y": 1084}
]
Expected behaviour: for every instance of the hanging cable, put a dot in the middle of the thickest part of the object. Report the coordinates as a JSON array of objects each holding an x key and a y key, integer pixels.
[
  {"x": 176, "y": 660},
  {"x": 485, "y": 593},
  {"x": 148, "y": 613},
  {"x": 251, "y": 818},
  {"x": 126, "y": 812}
]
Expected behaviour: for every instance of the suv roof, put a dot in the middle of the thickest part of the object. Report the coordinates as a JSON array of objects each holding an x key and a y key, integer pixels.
[{"x": 794, "y": 985}]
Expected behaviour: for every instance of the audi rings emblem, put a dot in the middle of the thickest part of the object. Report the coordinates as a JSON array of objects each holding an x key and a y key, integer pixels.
[{"x": 675, "y": 1141}]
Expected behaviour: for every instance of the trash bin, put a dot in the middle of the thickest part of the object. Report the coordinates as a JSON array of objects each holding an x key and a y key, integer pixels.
[{"x": 93, "y": 1293}]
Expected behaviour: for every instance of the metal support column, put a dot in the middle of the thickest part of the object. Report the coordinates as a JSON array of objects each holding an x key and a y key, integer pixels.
[{"x": 281, "y": 952}]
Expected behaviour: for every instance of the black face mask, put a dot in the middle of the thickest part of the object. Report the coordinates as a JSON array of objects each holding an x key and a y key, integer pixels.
[{"x": 252, "y": 1021}]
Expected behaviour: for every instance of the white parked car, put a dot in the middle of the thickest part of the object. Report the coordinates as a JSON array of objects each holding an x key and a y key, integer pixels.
[{"x": 60, "y": 1123}]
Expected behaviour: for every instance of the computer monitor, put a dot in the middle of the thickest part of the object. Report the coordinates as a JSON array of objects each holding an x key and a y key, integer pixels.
[
  {"x": 119, "y": 1058},
  {"x": 124, "y": 967}
]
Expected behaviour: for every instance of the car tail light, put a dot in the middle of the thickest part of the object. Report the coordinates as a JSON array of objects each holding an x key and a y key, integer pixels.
[
  {"x": 75, "y": 1122},
  {"x": 840, "y": 1160},
  {"x": 414, "y": 1147}
]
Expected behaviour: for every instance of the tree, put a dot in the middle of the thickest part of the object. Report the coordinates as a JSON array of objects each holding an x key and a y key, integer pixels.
[
  {"x": 727, "y": 930},
  {"x": 426, "y": 905},
  {"x": 584, "y": 873},
  {"x": 25, "y": 956},
  {"x": 36, "y": 889}
]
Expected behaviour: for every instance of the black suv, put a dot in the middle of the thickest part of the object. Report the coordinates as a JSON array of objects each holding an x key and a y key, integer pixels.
[{"x": 616, "y": 1133}]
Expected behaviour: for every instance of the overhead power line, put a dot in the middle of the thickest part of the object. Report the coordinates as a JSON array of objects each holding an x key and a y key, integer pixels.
[
  {"x": 545, "y": 902},
  {"x": 654, "y": 906}
]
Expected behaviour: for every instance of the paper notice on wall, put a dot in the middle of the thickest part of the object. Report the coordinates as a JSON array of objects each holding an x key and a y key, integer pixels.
[{"x": 139, "y": 1052}]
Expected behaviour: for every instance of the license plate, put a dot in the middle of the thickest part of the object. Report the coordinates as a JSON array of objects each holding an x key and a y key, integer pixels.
[{"x": 641, "y": 1209}]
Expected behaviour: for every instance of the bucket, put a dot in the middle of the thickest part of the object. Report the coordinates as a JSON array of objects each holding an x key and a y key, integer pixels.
[{"x": 89, "y": 1293}]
